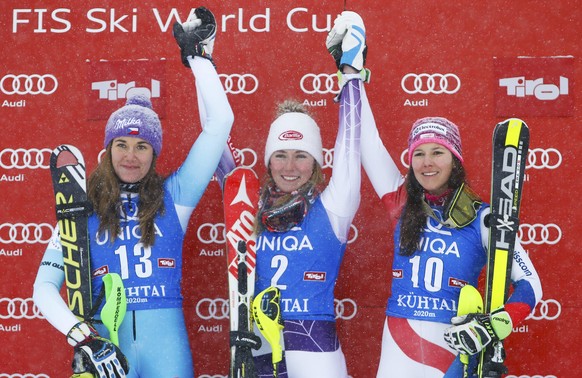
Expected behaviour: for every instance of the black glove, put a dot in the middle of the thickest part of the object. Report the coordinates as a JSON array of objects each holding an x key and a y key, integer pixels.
[
  {"x": 470, "y": 333},
  {"x": 95, "y": 355},
  {"x": 196, "y": 36}
]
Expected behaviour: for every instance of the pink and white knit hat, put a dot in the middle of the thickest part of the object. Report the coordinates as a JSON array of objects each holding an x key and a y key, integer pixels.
[{"x": 435, "y": 130}]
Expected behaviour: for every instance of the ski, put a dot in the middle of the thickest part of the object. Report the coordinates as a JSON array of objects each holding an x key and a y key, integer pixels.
[
  {"x": 510, "y": 149},
  {"x": 241, "y": 196},
  {"x": 67, "y": 168}
]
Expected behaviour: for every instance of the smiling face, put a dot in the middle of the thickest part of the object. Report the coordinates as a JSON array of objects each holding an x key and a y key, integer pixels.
[
  {"x": 432, "y": 165},
  {"x": 131, "y": 158},
  {"x": 291, "y": 169}
]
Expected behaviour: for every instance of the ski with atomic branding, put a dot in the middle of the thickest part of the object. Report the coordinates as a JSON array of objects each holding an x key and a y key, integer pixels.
[
  {"x": 510, "y": 149},
  {"x": 68, "y": 174},
  {"x": 241, "y": 197}
]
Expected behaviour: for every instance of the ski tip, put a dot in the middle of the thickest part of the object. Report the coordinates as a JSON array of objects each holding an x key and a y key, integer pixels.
[
  {"x": 66, "y": 158},
  {"x": 66, "y": 155},
  {"x": 516, "y": 122}
]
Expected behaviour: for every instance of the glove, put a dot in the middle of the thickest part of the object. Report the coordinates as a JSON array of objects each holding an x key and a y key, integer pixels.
[
  {"x": 346, "y": 42},
  {"x": 473, "y": 332},
  {"x": 95, "y": 356},
  {"x": 196, "y": 36}
]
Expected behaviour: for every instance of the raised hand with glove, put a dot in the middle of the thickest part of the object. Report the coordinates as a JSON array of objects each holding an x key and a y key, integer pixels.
[
  {"x": 471, "y": 333},
  {"x": 346, "y": 41},
  {"x": 196, "y": 36},
  {"x": 95, "y": 357}
]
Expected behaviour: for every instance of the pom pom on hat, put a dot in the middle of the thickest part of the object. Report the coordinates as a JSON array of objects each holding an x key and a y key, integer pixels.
[
  {"x": 135, "y": 119},
  {"x": 435, "y": 130},
  {"x": 294, "y": 131}
]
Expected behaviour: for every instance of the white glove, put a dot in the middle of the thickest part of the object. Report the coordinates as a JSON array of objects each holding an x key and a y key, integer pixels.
[
  {"x": 473, "y": 332},
  {"x": 346, "y": 41}
]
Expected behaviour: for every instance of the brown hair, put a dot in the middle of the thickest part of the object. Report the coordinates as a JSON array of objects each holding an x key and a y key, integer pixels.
[{"x": 104, "y": 193}]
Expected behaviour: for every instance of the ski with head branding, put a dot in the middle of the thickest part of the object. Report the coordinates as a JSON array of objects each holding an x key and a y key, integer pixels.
[
  {"x": 241, "y": 196},
  {"x": 510, "y": 149},
  {"x": 68, "y": 174}
]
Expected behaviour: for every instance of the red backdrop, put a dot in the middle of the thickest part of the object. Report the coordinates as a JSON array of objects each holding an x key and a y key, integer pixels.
[{"x": 67, "y": 65}]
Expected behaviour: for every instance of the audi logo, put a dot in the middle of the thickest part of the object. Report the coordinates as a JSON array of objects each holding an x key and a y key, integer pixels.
[
  {"x": 531, "y": 376},
  {"x": 549, "y": 309},
  {"x": 21, "y": 158},
  {"x": 345, "y": 309},
  {"x": 425, "y": 83},
  {"x": 538, "y": 233},
  {"x": 28, "y": 84},
  {"x": 319, "y": 83},
  {"x": 248, "y": 157},
  {"x": 26, "y": 375},
  {"x": 209, "y": 233},
  {"x": 538, "y": 158},
  {"x": 237, "y": 83},
  {"x": 217, "y": 308},
  {"x": 212, "y": 376},
  {"x": 30, "y": 233},
  {"x": 19, "y": 308}
]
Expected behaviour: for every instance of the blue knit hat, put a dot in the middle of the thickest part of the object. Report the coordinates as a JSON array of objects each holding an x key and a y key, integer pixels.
[{"x": 135, "y": 119}]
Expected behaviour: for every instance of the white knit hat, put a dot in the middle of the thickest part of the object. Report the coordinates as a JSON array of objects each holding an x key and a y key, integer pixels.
[{"x": 294, "y": 131}]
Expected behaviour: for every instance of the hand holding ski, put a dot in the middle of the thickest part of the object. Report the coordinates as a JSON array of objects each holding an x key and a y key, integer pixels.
[{"x": 510, "y": 149}]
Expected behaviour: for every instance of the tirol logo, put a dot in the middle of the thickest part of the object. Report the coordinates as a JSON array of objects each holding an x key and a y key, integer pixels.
[
  {"x": 166, "y": 263},
  {"x": 101, "y": 271},
  {"x": 455, "y": 282},
  {"x": 397, "y": 273},
  {"x": 534, "y": 86},
  {"x": 111, "y": 83},
  {"x": 314, "y": 276},
  {"x": 291, "y": 135}
]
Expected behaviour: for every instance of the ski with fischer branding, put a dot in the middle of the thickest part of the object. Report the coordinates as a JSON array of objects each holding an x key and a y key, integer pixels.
[
  {"x": 68, "y": 174},
  {"x": 241, "y": 197},
  {"x": 510, "y": 149}
]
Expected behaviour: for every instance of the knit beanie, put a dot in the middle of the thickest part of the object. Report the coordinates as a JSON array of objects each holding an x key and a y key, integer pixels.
[
  {"x": 435, "y": 130},
  {"x": 294, "y": 131},
  {"x": 135, "y": 119}
]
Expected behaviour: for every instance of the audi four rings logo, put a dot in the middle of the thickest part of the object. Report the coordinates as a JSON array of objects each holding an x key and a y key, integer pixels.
[
  {"x": 319, "y": 83},
  {"x": 237, "y": 83},
  {"x": 549, "y": 309},
  {"x": 209, "y": 233},
  {"x": 539, "y": 158},
  {"x": 28, "y": 84},
  {"x": 425, "y": 83},
  {"x": 20, "y": 158},
  {"x": 210, "y": 376},
  {"x": 19, "y": 308},
  {"x": 26, "y": 375},
  {"x": 531, "y": 376},
  {"x": 345, "y": 308},
  {"x": 538, "y": 233},
  {"x": 30, "y": 233},
  {"x": 217, "y": 308}
]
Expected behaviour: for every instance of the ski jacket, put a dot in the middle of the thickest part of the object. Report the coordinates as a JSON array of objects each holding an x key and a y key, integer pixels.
[
  {"x": 183, "y": 190},
  {"x": 426, "y": 285},
  {"x": 304, "y": 262}
]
